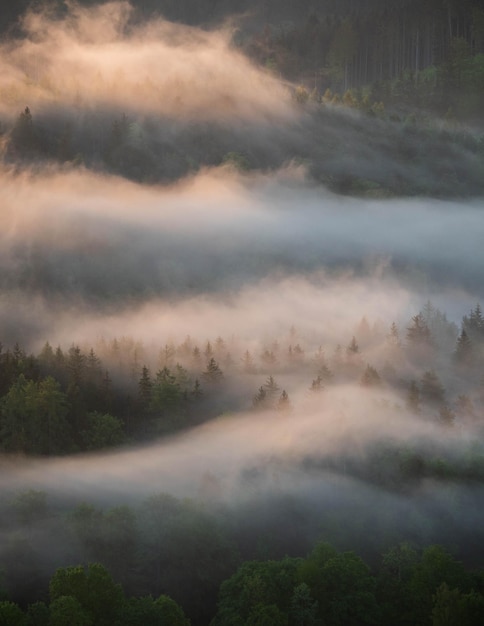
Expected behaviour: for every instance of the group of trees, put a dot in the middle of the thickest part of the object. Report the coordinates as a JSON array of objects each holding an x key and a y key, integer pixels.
[
  {"x": 386, "y": 59},
  {"x": 428, "y": 53},
  {"x": 88, "y": 596},
  {"x": 59, "y": 402},
  {"x": 169, "y": 548},
  {"x": 339, "y": 589}
]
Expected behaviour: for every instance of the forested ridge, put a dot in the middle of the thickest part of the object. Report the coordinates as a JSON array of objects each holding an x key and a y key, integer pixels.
[
  {"x": 425, "y": 53},
  {"x": 394, "y": 81},
  {"x": 69, "y": 400},
  {"x": 61, "y": 401}
]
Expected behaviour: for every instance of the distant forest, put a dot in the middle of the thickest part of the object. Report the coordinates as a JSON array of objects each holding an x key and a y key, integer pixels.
[
  {"x": 428, "y": 53},
  {"x": 64, "y": 401}
]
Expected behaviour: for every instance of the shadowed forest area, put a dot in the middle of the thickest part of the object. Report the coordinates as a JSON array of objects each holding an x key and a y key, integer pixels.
[{"x": 241, "y": 334}]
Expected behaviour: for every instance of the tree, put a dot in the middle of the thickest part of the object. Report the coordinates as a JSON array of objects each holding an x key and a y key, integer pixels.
[
  {"x": 370, "y": 377},
  {"x": 160, "y": 612},
  {"x": 474, "y": 324},
  {"x": 393, "y": 591},
  {"x": 33, "y": 417},
  {"x": 344, "y": 590},
  {"x": 284, "y": 404},
  {"x": 432, "y": 390},
  {"x": 213, "y": 374},
  {"x": 272, "y": 388},
  {"x": 11, "y": 614},
  {"x": 317, "y": 384},
  {"x": 170, "y": 611},
  {"x": 145, "y": 388},
  {"x": 412, "y": 401},
  {"x": 103, "y": 431},
  {"x": 68, "y": 611},
  {"x": 76, "y": 366},
  {"x": 353, "y": 347},
  {"x": 256, "y": 586},
  {"x": 452, "y": 607},
  {"x": 304, "y": 609},
  {"x": 248, "y": 363},
  {"x": 38, "y": 614},
  {"x": 463, "y": 355},
  {"x": 435, "y": 567},
  {"x": 93, "y": 588},
  {"x": 23, "y": 138},
  {"x": 325, "y": 374},
  {"x": 260, "y": 400},
  {"x": 266, "y": 615},
  {"x": 167, "y": 398},
  {"x": 419, "y": 339}
]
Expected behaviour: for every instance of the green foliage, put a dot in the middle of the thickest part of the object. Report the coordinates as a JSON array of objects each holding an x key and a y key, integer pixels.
[
  {"x": 237, "y": 161},
  {"x": 33, "y": 417},
  {"x": 68, "y": 611},
  {"x": 11, "y": 614},
  {"x": 103, "y": 431},
  {"x": 160, "y": 612},
  {"x": 344, "y": 591},
  {"x": 304, "y": 609},
  {"x": 93, "y": 589},
  {"x": 38, "y": 614},
  {"x": 451, "y": 607},
  {"x": 256, "y": 590},
  {"x": 436, "y": 567}
]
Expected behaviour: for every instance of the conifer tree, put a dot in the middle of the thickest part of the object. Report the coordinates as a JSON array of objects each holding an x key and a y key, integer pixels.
[
  {"x": 284, "y": 404},
  {"x": 413, "y": 398},
  {"x": 212, "y": 374},
  {"x": 463, "y": 354}
]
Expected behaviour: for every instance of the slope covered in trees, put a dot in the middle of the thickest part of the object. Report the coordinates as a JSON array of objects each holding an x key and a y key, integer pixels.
[{"x": 427, "y": 53}]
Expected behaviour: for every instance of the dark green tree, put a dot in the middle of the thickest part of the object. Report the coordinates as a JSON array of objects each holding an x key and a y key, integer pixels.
[
  {"x": 213, "y": 374},
  {"x": 94, "y": 590}
]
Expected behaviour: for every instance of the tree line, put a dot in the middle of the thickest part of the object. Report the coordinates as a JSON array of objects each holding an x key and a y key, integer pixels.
[
  {"x": 170, "y": 548},
  {"x": 62, "y": 401}
]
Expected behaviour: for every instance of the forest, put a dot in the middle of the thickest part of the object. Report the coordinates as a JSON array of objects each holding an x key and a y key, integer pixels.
[{"x": 241, "y": 324}]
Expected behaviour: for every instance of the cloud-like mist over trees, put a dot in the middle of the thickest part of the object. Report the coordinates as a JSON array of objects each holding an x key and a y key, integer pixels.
[{"x": 237, "y": 319}]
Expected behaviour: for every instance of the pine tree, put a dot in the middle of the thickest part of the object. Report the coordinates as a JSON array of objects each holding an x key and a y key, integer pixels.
[
  {"x": 317, "y": 385},
  {"x": 145, "y": 388},
  {"x": 463, "y": 354},
  {"x": 284, "y": 403},
  {"x": 393, "y": 337},
  {"x": 213, "y": 374},
  {"x": 413, "y": 398},
  {"x": 353, "y": 348},
  {"x": 370, "y": 377},
  {"x": 272, "y": 389},
  {"x": 432, "y": 389},
  {"x": 418, "y": 334},
  {"x": 248, "y": 363},
  {"x": 259, "y": 401}
]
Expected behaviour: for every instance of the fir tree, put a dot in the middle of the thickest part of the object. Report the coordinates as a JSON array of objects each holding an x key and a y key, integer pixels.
[
  {"x": 463, "y": 351},
  {"x": 213, "y": 374},
  {"x": 284, "y": 403},
  {"x": 413, "y": 398},
  {"x": 370, "y": 377}
]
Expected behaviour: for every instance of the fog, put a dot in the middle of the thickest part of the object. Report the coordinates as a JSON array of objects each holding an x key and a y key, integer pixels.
[
  {"x": 88, "y": 256},
  {"x": 97, "y": 57}
]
